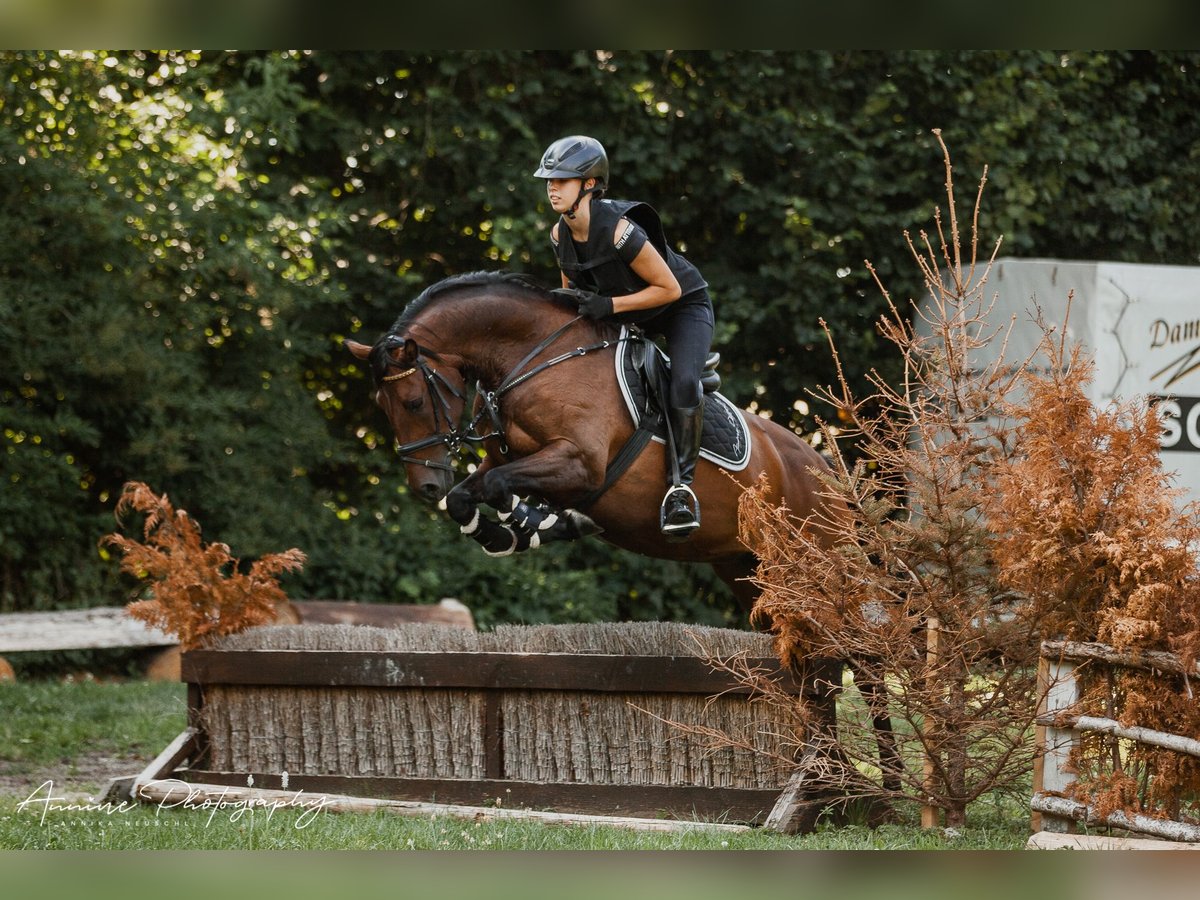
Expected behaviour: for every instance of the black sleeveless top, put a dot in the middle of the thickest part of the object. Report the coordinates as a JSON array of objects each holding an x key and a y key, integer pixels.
[{"x": 597, "y": 266}]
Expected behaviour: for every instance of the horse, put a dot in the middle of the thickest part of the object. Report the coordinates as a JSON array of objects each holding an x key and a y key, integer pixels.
[{"x": 557, "y": 424}]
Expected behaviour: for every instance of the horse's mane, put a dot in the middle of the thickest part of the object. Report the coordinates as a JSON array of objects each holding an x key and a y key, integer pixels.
[
  {"x": 513, "y": 282},
  {"x": 456, "y": 283}
]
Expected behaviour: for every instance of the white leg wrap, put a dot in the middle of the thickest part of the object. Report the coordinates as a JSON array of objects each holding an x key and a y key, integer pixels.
[
  {"x": 512, "y": 505},
  {"x": 472, "y": 526}
]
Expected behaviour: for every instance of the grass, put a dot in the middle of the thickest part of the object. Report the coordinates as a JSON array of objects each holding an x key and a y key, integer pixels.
[
  {"x": 57, "y": 731},
  {"x": 48, "y": 722}
]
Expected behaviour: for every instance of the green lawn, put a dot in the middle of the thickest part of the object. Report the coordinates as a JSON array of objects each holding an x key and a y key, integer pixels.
[{"x": 78, "y": 735}]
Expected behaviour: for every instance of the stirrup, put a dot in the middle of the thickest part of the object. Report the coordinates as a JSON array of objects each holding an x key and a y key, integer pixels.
[{"x": 679, "y": 530}]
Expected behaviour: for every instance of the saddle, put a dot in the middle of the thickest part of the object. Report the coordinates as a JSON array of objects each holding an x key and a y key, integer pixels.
[{"x": 644, "y": 377}]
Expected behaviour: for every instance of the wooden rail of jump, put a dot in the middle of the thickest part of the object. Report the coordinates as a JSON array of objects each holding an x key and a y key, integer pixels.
[{"x": 111, "y": 627}]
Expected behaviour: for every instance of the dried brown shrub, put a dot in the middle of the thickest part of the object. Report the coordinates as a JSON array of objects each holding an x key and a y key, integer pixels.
[
  {"x": 908, "y": 595},
  {"x": 1091, "y": 532},
  {"x": 198, "y": 592}
]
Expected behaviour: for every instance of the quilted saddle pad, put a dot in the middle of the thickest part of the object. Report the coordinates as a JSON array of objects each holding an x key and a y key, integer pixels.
[{"x": 725, "y": 439}]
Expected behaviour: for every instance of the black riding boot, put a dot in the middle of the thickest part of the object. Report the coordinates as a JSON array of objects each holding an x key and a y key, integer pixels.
[{"x": 680, "y": 508}]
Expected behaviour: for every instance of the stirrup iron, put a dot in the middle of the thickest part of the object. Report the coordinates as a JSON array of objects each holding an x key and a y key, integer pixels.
[{"x": 679, "y": 530}]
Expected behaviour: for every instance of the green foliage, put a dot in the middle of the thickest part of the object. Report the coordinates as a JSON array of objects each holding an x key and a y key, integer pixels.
[{"x": 189, "y": 236}]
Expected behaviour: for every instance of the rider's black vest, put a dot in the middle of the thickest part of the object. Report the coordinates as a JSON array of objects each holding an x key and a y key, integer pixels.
[{"x": 598, "y": 267}]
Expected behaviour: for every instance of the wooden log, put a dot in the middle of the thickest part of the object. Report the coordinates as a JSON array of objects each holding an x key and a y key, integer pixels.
[
  {"x": 164, "y": 665},
  {"x": 502, "y": 671},
  {"x": 1156, "y": 660},
  {"x": 746, "y": 805},
  {"x": 1048, "y": 840},
  {"x": 173, "y": 793},
  {"x": 797, "y": 808},
  {"x": 383, "y": 615},
  {"x": 1065, "y": 808},
  {"x": 100, "y": 628},
  {"x": 1167, "y": 741}
]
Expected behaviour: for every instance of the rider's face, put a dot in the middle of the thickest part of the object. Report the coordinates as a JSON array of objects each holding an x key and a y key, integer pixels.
[{"x": 563, "y": 192}]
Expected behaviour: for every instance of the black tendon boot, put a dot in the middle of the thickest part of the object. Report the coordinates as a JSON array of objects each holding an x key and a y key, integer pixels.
[{"x": 680, "y": 508}]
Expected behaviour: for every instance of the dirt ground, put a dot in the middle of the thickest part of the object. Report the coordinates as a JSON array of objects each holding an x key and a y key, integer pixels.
[{"x": 84, "y": 776}]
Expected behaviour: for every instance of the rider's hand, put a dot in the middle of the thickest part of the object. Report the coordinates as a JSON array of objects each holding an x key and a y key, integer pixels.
[{"x": 589, "y": 303}]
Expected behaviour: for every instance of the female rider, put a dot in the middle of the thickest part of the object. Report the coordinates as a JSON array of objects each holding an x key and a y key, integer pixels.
[{"x": 616, "y": 263}]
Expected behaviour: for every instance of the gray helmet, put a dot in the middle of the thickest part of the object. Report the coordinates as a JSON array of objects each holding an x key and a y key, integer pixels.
[{"x": 577, "y": 156}]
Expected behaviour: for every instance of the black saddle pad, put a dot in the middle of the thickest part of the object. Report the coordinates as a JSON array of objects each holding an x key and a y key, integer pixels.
[{"x": 726, "y": 437}]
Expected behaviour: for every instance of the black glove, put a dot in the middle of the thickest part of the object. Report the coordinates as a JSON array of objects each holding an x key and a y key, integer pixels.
[{"x": 589, "y": 303}]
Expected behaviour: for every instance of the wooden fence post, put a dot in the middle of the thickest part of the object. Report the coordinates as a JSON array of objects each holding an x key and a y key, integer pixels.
[
  {"x": 929, "y": 813},
  {"x": 1059, "y": 692}
]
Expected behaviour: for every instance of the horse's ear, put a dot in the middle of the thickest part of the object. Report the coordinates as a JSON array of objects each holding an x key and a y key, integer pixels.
[{"x": 360, "y": 351}]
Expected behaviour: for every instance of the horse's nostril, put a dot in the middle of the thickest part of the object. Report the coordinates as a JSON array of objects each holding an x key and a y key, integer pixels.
[{"x": 431, "y": 491}]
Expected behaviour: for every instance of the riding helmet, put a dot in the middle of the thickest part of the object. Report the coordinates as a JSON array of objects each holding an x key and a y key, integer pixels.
[{"x": 577, "y": 156}]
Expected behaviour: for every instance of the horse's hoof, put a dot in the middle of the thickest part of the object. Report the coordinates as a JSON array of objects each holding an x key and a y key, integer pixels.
[{"x": 579, "y": 523}]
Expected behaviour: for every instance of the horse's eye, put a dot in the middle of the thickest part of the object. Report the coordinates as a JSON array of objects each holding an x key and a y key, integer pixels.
[{"x": 414, "y": 404}]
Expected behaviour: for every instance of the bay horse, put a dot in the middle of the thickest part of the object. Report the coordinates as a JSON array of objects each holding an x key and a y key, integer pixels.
[{"x": 557, "y": 422}]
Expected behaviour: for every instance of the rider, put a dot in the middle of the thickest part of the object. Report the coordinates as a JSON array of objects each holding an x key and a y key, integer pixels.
[{"x": 615, "y": 260}]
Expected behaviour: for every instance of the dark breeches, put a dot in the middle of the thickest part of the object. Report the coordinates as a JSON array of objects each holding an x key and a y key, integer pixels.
[{"x": 688, "y": 331}]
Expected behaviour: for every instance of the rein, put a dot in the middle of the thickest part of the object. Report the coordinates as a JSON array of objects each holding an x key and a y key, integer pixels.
[{"x": 453, "y": 437}]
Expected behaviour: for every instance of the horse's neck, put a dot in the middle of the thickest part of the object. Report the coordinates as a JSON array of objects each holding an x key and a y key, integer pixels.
[{"x": 492, "y": 337}]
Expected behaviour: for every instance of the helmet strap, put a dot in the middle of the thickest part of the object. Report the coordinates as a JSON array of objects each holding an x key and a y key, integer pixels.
[{"x": 583, "y": 192}]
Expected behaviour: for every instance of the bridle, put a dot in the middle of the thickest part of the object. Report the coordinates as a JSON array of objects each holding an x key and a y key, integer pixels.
[{"x": 454, "y": 437}]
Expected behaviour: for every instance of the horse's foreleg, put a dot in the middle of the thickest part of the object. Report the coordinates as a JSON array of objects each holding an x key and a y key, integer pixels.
[
  {"x": 463, "y": 507},
  {"x": 523, "y": 524}
]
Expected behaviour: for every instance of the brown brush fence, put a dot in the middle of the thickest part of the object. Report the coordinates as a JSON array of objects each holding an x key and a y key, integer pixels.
[{"x": 565, "y": 718}]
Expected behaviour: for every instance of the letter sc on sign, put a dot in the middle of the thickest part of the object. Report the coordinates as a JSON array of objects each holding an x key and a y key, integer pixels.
[{"x": 1181, "y": 423}]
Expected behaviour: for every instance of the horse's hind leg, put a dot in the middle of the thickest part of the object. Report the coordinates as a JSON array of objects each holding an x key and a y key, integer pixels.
[{"x": 737, "y": 572}]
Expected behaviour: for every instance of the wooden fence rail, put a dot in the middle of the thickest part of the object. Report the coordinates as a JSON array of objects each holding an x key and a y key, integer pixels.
[{"x": 1060, "y": 723}]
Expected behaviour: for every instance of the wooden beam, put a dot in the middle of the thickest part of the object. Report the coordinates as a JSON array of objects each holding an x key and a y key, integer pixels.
[
  {"x": 100, "y": 628},
  {"x": 799, "y": 803},
  {"x": 176, "y": 794},
  {"x": 1073, "y": 810},
  {"x": 502, "y": 671},
  {"x": 931, "y": 815},
  {"x": 172, "y": 756},
  {"x": 747, "y": 805},
  {"x": 1049, "y": 840}
]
